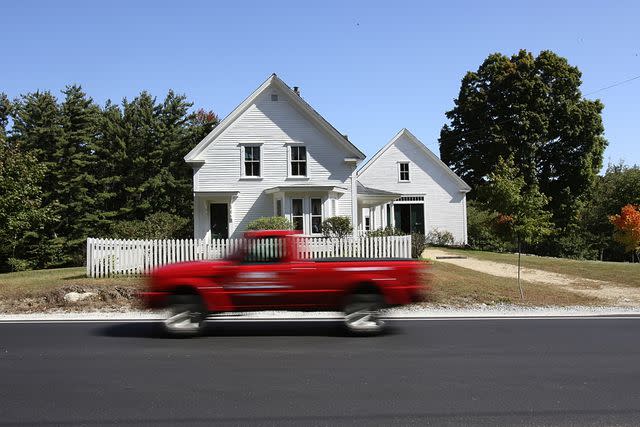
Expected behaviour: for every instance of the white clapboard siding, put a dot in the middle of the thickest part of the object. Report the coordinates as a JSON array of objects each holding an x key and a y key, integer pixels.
[
  {"x": 444, "y": 193},
  {"x": 108, "y": 257},
  {"x": 274, "y": 126}
]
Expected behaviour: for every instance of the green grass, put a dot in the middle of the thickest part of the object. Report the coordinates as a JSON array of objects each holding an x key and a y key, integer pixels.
[
  {"x": 624, "y": 274},
  {"x": 453, "y": 285}
]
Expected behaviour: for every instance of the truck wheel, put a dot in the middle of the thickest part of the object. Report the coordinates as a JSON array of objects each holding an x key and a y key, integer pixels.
[
  {"x": 186, "y": 316},
  {"x": 362, "y": 314}
]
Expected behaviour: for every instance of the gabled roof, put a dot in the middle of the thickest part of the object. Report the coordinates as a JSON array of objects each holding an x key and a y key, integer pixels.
[
  {"x": 464, "y": 187},
  {"x": 296, "y": 100}
]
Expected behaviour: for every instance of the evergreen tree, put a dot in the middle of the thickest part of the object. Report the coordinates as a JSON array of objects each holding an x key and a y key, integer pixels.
[
  {"x": 37, "y": 127},
  {"x": 6, "y": 108},
  {"x": 94, "y": 167},
  {"x": 111, "y": 168},
  {"x": 141, "y": 134},
  {"x": 75, "y": 174}
]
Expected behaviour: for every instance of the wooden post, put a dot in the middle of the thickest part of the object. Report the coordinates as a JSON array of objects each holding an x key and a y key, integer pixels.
[{"x": 519, "y": 255}]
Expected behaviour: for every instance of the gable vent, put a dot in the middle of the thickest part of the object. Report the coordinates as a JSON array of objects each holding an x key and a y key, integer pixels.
[
  {"x": 410, "y": 199},
  {"x": 274, "y": 97}
]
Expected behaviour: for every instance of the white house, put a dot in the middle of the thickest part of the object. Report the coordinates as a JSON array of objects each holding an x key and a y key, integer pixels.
[
  {"x": 275, "y": 155},
  {"x": 422, "y": 193}
]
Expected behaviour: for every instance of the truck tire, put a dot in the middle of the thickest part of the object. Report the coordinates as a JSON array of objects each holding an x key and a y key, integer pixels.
[
  {"x": 362, "y": 314},
  {"x": 187, "y": 316}
]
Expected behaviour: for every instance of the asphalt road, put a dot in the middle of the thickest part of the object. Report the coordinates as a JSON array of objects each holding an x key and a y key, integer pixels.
[{"x": 428, "y": 372}]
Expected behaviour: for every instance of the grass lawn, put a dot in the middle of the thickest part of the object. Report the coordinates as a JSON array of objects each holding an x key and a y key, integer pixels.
[
  {"x": 43, "y": 280},
  {"x": 624, "y": 274},
  {"x": 453, "y": 285}
]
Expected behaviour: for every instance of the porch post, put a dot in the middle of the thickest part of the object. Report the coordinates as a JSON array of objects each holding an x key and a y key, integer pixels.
[
  {"x": 354, "y": 203},
  {"x": 392, "y": 214}
]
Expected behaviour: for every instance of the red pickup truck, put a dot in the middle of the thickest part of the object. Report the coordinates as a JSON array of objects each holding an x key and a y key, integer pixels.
[{"x": 266, "y": 274}]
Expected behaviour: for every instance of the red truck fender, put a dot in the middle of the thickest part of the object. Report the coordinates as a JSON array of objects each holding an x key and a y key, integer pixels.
[{"x": 212, "y": 294}]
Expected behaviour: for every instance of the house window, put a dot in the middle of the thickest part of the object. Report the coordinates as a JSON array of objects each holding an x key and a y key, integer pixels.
[
  {"x": 298, "y": 161},
  {"x": 274, "y": 97},
  {"x": 296, "y": 214},
  {"x": 404, "y": 172},
  {"x": 252, "y": 160},
  {"x": 367, "y": 223},
  {"x": 279, "y": 207},
  {"x": 316, "y": 216}
]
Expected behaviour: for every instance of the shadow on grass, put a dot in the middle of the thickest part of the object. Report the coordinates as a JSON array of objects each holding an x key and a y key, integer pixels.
[{"x": 236, "y": 329}]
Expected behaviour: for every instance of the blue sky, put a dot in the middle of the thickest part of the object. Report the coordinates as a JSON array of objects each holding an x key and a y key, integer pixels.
[{"x": 370, "y": 68}]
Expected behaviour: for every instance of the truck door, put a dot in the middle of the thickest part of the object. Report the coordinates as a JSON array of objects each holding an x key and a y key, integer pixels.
[{"x": 260, "y": 280}]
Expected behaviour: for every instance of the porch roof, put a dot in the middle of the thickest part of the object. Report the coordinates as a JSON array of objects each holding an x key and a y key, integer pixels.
[
  {"x": 305, "y": 187},
  {"x": 368, "y": 191},
  {"x": 374, "y": 196},
  {"x": 216, "y": 193}
]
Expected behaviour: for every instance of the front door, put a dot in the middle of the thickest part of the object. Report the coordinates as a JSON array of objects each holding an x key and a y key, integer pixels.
[
  {"x": 409, "y": 217},
  {"x": 219, "y": 214}
]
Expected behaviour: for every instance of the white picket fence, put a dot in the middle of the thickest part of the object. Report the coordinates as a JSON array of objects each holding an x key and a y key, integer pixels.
[{"x": 109, "y": 257}]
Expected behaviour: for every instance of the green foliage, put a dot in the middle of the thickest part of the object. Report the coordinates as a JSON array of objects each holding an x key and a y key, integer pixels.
[
  {"x": 22, "y": 214},
  {"x": 530, "y": 108},
  {"x": 619, "y": 186},
  {"x": 337, "y": 226},
  {"x": 76, "y": 168},
  {"x": 519, "y": 209},
  {"x": 6, "y": 108},
  {"x": 160, "y": 225},
  {"x": 17, "y": 264},
  {"x": 270, "y": 223},
  {"x": 482, "y": 232},
  {"x": 104, "y": 170},
  {"x": 385, "y": 232}
]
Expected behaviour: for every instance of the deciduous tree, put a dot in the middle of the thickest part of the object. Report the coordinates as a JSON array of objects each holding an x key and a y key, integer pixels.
[
  {"x": 519, "y": 209},
  {"x": 627, "y": 226},
  {"x": 529, "y": 107}
]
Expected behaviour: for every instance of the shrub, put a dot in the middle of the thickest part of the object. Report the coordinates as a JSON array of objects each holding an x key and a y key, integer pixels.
[
  {"x": 159, "y": 225},
  {"x": 17, "y": 264},
  {"x": 439, "y": 238},
  {"x": 270, "y": 223},
  {"x": 482, "y": 230},
  {"x": 337, "y": 226},
  {"x": 418, "y": 244},
  {"x": 385, "y": 232}
]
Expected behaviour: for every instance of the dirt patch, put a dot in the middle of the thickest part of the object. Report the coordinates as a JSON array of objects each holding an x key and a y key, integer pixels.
[
  {"x": 105, "y": 298},
  {"x": 607, "y": 291}
]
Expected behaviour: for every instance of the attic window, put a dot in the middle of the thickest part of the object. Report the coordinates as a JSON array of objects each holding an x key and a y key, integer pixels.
[
  {"x": 274, "y": 97},
  {"x": 403, "y": 169}
]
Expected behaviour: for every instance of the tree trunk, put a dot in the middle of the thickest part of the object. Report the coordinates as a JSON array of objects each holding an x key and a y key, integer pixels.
[{"x": 519, "y": 255}]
